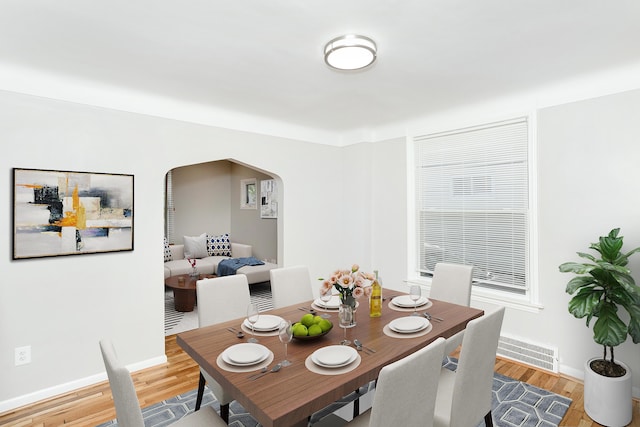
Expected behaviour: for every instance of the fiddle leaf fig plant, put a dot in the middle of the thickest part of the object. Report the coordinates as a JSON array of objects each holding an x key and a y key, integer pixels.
[{"x": 603, "y": 286}]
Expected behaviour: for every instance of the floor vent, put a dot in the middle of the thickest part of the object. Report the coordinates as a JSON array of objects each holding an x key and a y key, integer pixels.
[{"x": 528, "y": 353}]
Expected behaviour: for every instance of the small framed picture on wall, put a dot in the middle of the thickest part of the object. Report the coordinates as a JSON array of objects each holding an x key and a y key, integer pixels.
[
  {"x": 268, "y": 199},
  {"x": 248, "y": 194}
]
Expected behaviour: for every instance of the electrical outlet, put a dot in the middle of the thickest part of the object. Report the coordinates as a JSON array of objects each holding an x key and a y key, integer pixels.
[{"x": 23, "y": 355}]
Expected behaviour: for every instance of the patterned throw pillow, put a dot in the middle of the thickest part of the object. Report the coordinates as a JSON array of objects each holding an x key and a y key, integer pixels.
[
  {"x": 168, "y": 256},
  {"x": 219, "y": 245}
]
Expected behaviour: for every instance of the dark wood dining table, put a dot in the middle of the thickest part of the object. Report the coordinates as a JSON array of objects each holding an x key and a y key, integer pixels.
[{"x": 287, "y": 398}]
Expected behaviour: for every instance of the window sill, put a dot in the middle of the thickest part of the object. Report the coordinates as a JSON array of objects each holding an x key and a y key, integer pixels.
[{"x": 490, "y": 297}]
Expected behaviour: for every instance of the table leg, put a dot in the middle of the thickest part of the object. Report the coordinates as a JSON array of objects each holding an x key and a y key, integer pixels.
[{"x": 185, "y": 299}]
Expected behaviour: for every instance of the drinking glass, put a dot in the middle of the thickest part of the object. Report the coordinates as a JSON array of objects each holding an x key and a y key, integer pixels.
[
  {"x": 252, "y": 316},
  {"x": 325, "y": 297},
  {"x": 415, "y": 292},
  {"x": 285, "y": 333},
  {"x": 345, "y": 314}
]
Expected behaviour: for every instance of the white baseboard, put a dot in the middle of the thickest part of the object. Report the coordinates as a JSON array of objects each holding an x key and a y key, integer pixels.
[
  {"x": 59, "y": 389},
  {"x": 571, "y": 372}
]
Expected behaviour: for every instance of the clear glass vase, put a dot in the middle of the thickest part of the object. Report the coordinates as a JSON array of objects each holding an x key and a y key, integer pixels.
[
  {"x": 347, "y": 315},
  {"x": 347, "y": 319},
  {"x": 348, "y": 300}
]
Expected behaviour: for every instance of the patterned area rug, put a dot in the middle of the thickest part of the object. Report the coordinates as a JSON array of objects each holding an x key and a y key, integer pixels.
[
  {"x": 177, "y": 321},
  {"x": 169, "y": 411},
  {"x": 515, "y": 404},
  {"x": 260, "y": 294}
]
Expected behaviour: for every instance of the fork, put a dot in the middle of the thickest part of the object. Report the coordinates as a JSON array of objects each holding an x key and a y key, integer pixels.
[
  {"x": 428, "y": 316},
  {"x": 255, "y": 374},
  {"x": 359, "y": 344}
]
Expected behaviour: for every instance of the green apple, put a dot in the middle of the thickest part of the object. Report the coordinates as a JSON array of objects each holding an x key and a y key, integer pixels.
[
  {"x": 314, "y": 330},
  {"x": 325, "y": 325},
  {"x": 307, "y": 320},
  {"x": 299, "y": 330}
]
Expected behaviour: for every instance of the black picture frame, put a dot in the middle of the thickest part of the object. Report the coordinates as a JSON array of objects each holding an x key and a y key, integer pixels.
[{"x": 57, "y": 213}]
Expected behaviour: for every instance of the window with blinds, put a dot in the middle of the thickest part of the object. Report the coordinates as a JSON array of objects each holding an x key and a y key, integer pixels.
[
  {"x": 472, "y": 202},
  {"x": 169, "y": 209}
]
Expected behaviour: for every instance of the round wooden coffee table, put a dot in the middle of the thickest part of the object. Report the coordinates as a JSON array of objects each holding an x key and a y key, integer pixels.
[{"x": 184, "y": 290}]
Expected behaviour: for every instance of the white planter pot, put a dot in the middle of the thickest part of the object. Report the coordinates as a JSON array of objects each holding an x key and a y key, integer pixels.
[{"x": 608, "y": 401}]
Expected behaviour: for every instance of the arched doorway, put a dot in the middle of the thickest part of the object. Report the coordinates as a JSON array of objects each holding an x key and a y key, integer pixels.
[{"x": 210, "y": 198}]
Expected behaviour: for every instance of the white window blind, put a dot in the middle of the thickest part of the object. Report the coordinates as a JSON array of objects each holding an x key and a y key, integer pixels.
[
  {"x": 472, "y": 196},
  {"x": 169, "y": 209}
]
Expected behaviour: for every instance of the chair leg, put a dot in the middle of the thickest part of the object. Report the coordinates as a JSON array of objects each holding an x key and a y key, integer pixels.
[
  {"x": 201, "y": 384},
  {"x": 356, "y": 404},
  {"x": 488, "y": 419},
  {"x": 224, "y": 413}
]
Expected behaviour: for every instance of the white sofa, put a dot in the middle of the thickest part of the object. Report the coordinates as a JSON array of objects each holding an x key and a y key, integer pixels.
[{"x": 209, "y": 265}]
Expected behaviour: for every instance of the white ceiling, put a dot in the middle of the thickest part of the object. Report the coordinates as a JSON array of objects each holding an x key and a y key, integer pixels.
[{"x": 262, "y": 59}]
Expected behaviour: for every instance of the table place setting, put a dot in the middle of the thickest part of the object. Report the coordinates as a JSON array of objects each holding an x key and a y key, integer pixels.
[
  {"x": 408, "y": 327},
  {"x": 245, "y": 357},
  {"x": 249, "y": 374},
  {"x": 405, "y": 303},
  {"x": 329, "y": 305},
  {"x": 324, "y": 304},
  {"x": 266, "y": 325},
  {"x": 362, "y": 347},
  {"x": 333, "y": 360}
]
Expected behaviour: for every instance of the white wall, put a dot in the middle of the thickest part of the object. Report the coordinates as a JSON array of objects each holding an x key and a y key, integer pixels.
[
  {"x": 343, "y": 205},
  {"x": 202, "y": 198},
  {"x": 376, "y": 204},
  {"x": 588, "y": 183},
  {"x": 246, "y": 224},
  {"x": 62, "y": 306},
  {"x": 207, "y": 200}
]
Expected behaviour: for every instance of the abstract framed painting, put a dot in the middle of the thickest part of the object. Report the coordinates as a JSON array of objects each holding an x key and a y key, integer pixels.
[{"x": 71, "y": 213}]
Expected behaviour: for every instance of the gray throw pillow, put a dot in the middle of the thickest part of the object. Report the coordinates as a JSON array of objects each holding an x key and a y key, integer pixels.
[{"x": 196, "y": 246}]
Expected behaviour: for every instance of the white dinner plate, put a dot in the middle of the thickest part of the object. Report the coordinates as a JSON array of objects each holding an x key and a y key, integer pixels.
[
  {"x": 245, "y": 354},
  {"x": 265, "y": 323},
  {"x": 409, "y": 324},
  {"x": 406, "y": 302},
  {"x": 334, "y": 356},
  {"x": 332, "y": 304}
]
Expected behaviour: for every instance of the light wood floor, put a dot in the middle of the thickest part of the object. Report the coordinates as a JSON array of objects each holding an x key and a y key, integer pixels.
[{"x": 92, "y": 405}]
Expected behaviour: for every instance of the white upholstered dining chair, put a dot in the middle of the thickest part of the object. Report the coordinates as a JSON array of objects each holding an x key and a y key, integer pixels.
[
  {"x": 405, "y": 393},
  {"x": 452, "y": 283},
  {"x": 464, "y": 396},
  {"x": 290, "y": 285},
  {"x": 126, "y": 401},
  {"x": 220, "y": 299}
]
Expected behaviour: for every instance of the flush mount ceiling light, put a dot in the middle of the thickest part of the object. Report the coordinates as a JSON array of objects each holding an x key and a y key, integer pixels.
[{"x": 350, "y": 52}]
